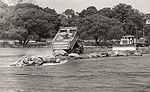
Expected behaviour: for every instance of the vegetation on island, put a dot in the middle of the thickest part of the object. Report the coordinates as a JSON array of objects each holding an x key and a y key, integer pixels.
[{"x": 26, "y": 21}]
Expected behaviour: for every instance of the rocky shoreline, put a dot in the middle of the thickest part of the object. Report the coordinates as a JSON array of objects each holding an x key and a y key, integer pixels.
[
  {"x": 60, "y": 55},
  {"x": 29, "y": 60}
]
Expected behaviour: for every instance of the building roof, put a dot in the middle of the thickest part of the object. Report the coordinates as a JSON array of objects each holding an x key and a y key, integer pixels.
[{"x": 148, "y": 16}]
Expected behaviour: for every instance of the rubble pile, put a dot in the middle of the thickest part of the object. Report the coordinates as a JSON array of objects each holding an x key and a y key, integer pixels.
[
  {"x": 36, "y": 60},
  {"x": 63, "y": 36}
]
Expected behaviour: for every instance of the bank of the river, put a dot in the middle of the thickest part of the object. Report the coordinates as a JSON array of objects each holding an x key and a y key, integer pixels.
[
  {"x": 89, "y": 53},
  {"x": 92, "y": 49}
]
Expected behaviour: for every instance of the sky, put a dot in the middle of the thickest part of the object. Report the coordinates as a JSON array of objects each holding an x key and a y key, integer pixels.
[{"x": 78, "y": 5}]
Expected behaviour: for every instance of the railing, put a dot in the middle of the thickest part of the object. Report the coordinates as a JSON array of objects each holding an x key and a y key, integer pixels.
[{"x": 55, "y": 36}]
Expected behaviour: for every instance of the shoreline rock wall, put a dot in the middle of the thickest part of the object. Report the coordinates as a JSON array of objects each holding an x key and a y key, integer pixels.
[
  {"x": 60, "y": 56},
  {"x": 112, "y": 54}
]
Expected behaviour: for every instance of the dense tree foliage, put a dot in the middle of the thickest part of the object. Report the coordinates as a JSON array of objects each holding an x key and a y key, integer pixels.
[
  {"x": 146, "y": 31},
  {"x": 101, "y": 27},
  {"x": 70, "y": 13},
  {"x": 108, "y": 12},
  {"x": 29, "y": 21},
  {"x": 69, "y": 18},
  {"x": 131, "y": 18},
  {"x": 110, "y": 23},
  {"x": 88, "y": 12}
]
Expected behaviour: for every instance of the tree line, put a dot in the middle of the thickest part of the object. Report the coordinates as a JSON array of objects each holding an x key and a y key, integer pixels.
[{"x": 26, "y": 21}]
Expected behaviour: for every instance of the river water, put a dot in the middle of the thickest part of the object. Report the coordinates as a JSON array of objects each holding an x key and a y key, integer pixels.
[{"x": 113, "y": 74}]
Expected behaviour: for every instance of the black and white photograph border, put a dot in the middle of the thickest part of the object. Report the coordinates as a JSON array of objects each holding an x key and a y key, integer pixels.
[{"x": 74, "y": 45}]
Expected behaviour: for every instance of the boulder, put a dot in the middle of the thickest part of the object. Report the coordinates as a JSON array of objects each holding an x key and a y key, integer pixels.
[
  {"x": 57, "y": 60},
  {"x": 121, "y": 53},
  {"x": 99, "y": 54},
  {"x": 128, "y": 53},
  {"x": 116, "y": 53},
  {"x": 84, "y": 56},
  {"x": 33, "y": 58},
  {"x": 60, "y": 52},
  {"x": 23, "y": 61},
  {"x": 137, "y": 53},
  {"x": 104, "y": 54},
  {"x": 39, "y": 61},
  {"x": 131, "y": 52},
  {"x": 112, "y": 54},
  {"x": 140, "y": 51},
  {"x": 74, "y": 56},
  {"x": 31, "y": 63},
  {"x": 61, "y": 57},
  {"x": 52, "y": 59},
  {"x": 17, "y": 63},
  {"x": 48, "y": 59},
  {"x": 93, "y": 55}
]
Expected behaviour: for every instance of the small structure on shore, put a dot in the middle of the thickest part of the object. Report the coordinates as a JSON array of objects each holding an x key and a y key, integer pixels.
[{"x": 127, "y": 43}]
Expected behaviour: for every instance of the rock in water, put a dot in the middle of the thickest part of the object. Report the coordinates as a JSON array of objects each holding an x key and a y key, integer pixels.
[
  {"x": 58, "y": 60},
  {"x": 121, "y": 53},
  {"x": 31, "y": 63},
  {"x": 23, "y": 61},
  {"x": 60, "y": 52},
  {"x": 39, "y": 62},
  {"x": 74, "y": 55},
  {"x": 28, "y": 61},
  {"x": 84, "y": 56},
  {"x": 49, "y": 59},
  {"x": 94, "y": 55},
  {"x": 136, "y": 53},
  {"x": 111, "y": 54}
]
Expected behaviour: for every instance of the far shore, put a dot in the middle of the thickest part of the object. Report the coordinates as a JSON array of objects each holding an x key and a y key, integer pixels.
[{"x": 87, "y": 49}]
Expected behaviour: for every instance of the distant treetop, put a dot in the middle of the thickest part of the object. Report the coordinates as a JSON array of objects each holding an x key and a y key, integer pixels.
[{"x": 14, "y": 2}]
